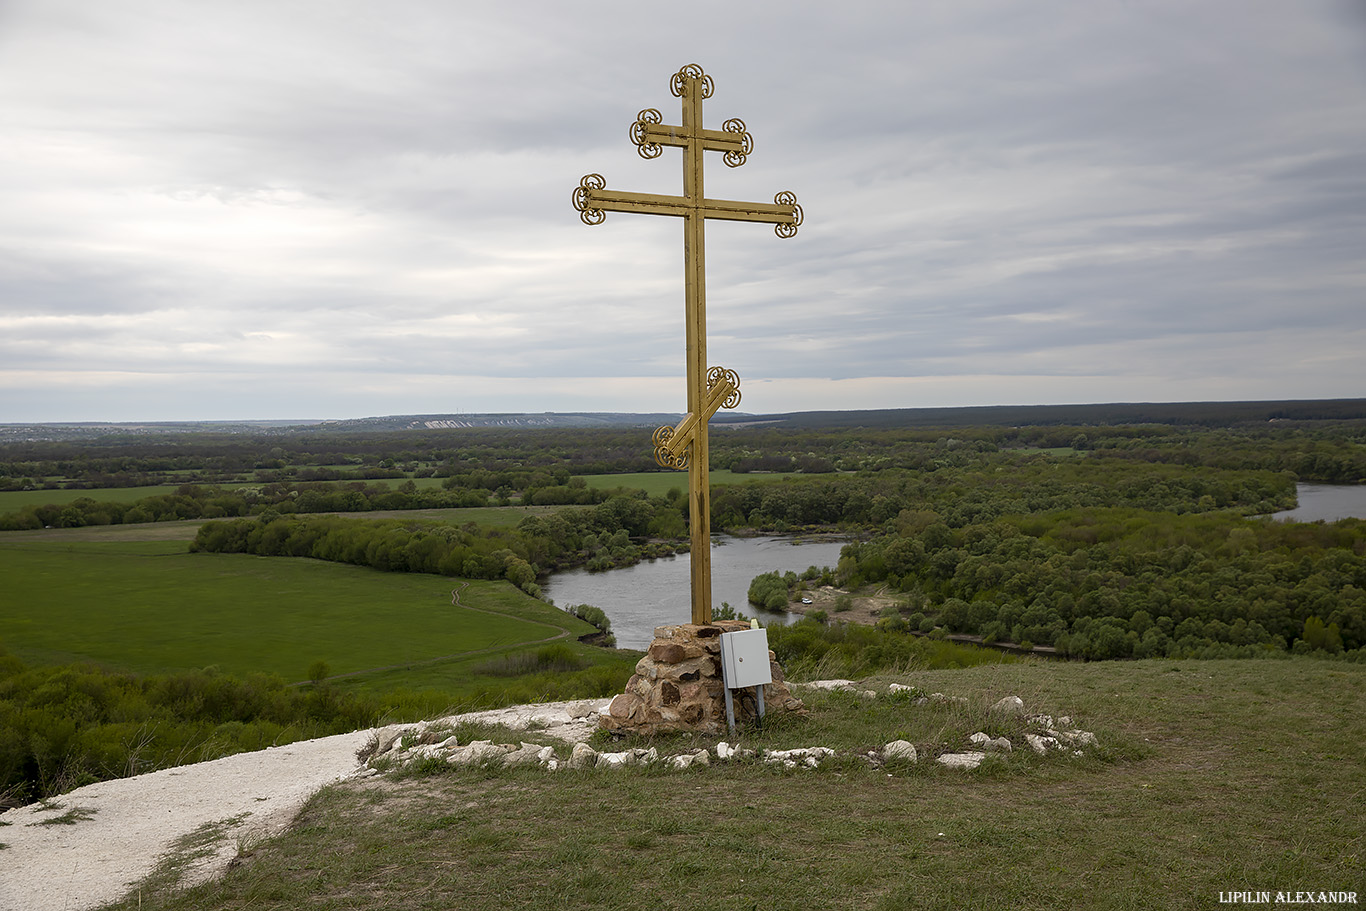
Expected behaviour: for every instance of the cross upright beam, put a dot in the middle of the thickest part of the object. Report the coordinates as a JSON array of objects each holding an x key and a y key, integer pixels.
[{"x": 709, "y": 388}]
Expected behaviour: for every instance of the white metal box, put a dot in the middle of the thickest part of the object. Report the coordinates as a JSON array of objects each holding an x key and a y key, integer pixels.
[{"x": 744, "y": 658}]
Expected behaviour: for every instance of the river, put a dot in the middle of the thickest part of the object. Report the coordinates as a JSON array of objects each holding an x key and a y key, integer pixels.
[
  {"x": 657, "y": 592},
  {"x": 1327, "y": 503}
]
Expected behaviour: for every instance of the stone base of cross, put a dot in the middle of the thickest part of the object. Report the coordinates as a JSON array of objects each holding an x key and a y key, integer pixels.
[{"x": 709, "y": 388}]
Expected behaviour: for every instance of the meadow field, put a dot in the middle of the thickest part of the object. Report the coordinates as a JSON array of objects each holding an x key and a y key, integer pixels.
[
  {"x": 1209, "y": 777},
  {"x": 14, "y": 500},
  {"x": 152, "y": 607}
]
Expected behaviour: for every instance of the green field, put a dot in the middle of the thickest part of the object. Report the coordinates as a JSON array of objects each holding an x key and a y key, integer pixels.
[
  {"x": 658, "y": 483},
  {"x": 150, "y": 607},
  {"x": 14, "y": 500}
]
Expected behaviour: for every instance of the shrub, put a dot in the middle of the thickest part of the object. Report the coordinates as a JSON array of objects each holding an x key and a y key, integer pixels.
[
  {"x": 769, "y": 591},
  {"x": 597, "y": 617}
]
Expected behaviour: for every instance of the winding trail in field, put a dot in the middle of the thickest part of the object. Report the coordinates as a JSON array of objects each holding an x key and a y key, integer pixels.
[{"x": 564, "y": 631}]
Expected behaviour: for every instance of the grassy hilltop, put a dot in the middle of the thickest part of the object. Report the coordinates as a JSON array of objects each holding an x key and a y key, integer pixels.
[{"x": 1211, "y": 776}]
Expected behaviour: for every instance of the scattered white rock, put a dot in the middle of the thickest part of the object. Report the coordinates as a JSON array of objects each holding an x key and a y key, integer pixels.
[
  {"x": 479, "y": 751},
  {"x": 1042, "y": 743},
  {"x": 401, "y": 745},
  {"x": 899, "y": 749},
  {"x": 829, "y": 685},
  {"x": 941, "y": 699},
  {"x": 583, "y": 756},
  {"x": 688, "y": 760},
  {"x": 986, "y": 742},
  {"x": 961, "y": 760},
  {"x": 612, "y": 760},
  {"x": 1010, "y": 706},
  {"x": 809, "y": 756},
  {"x": 1079, "y": 738},
  {"x": 627, "y": 757},
  {"x": 530, "y": 754}
]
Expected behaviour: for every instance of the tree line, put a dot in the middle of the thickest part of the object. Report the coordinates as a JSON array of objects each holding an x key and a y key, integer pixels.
[
  {"x": 620, "y": 531},
  {"x": 1327, "y": 450}
]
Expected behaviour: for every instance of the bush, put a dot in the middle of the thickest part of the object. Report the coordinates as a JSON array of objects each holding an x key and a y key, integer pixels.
[
  {"x": 769, "y": 591},
  {"x": 597, "y": 617}
]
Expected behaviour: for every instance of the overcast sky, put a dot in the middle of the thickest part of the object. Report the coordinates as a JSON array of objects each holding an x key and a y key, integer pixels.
[{"x": 330, "y": 209}]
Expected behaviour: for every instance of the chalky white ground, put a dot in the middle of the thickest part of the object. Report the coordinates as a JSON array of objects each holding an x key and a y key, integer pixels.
[{"x": 133, "y": 823}]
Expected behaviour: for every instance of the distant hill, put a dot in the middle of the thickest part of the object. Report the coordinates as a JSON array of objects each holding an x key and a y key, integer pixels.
[
  {"x": 1205, "y": 414},
  {"x": 543, "y": 421}
]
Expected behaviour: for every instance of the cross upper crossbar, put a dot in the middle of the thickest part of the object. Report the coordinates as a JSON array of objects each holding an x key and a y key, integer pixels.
[{"x": 709, "y": 388}]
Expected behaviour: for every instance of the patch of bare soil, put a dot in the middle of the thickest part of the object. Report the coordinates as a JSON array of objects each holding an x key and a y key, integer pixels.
[{"x": 866, "y": 607}]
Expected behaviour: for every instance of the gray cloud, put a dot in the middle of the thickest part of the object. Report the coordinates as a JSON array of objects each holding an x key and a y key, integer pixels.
[{"x": 256, "y": 210}]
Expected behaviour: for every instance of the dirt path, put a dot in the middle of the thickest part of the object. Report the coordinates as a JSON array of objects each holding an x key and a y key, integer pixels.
[
  {"x": 93, "y": 845},
  {"x": 115, "y": 832}
]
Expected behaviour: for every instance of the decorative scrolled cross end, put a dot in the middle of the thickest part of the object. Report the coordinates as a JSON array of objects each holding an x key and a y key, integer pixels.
[
  {"x": 691, "y": 71},
  {"x": 583, "y": 202},
  {"x": 644, "y": 120},
  {"x": 663, "y": 457},
  {"x": 718, "y": 375},
  {"x": 734, "y": 159},
  {"x": 788, "y": 229}
]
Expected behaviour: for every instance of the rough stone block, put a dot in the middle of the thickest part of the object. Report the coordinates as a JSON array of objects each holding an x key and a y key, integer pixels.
[
  {"x": 583, "y": 757},
  {"x": 899, "y": 749},
  {"x": 961, "y": 760},
  {"x": 667, "y": 652},
  {"x": 668, "y": 693}
]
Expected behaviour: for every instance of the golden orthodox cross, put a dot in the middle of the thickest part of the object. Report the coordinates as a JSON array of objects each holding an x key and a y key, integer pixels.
[{"x": 709, "y": 388}]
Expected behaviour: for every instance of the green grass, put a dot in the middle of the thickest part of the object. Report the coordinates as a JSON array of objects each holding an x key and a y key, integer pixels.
[
  {"x": 150, "y": 607},
  {"x": 14, "y": 500},
  {"x": 658, "y": 483},
  {"x": 1211, "y": 777}
]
